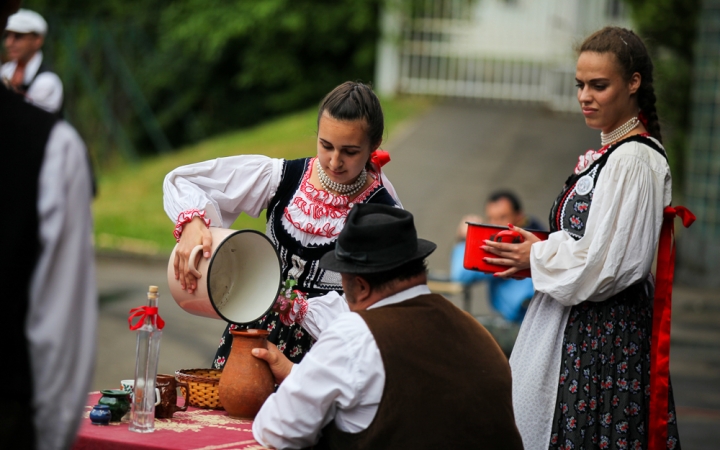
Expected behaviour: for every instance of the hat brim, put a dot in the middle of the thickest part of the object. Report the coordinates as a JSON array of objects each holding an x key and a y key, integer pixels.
[{"x": 330, "y": 262}]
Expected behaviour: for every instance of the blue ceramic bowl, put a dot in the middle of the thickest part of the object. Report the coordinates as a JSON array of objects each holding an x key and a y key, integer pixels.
[{"x": 100, "y": 415}]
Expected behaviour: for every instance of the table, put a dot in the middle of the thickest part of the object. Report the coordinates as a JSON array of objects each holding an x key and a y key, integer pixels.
[{"x": 196, "y": 429}]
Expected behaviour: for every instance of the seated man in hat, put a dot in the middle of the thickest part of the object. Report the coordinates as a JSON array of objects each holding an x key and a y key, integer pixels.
[
  {"x": 404, "y": 368},
  {"x": 26, "y": 73}
]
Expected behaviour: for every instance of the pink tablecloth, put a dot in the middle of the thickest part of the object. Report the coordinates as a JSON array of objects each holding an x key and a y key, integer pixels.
[{"x": 197, "y": 429}]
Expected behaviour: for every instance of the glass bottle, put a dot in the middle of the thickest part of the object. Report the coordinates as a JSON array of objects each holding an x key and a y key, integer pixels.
[{"x": 142, "y": 418}]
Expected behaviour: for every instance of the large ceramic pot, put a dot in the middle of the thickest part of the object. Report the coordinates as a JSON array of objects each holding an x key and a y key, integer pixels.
[
  {"x": 246, "y": 381},
  {"x": 240, "y": 281},
  {"x": 478, "y": 233}
]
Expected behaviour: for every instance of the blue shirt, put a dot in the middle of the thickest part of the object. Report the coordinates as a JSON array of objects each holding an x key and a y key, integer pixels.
[{"x": 506, "y": 295}]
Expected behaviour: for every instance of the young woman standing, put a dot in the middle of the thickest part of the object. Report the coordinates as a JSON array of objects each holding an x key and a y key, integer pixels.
[
  {"x": 581, "y": 364},
  {"x": 307, "y": 202}
]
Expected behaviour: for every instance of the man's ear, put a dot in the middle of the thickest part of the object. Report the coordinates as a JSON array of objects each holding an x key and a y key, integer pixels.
[
  {"x": 363, "y": 291},
  {"x": 40, "y": 41}
]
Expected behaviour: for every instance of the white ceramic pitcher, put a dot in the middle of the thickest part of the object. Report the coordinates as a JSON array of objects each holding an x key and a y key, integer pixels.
[{"x": 240, "y": 281}]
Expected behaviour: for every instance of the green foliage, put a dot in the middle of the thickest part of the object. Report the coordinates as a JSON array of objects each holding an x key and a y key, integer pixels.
[
  {"x": 670, "y": 24},
  {"x": 669, "y": 28},
  {"x": 203, "y": 67}
]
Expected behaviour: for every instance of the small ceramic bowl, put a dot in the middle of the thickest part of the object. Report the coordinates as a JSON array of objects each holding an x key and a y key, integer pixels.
[{"x": 100, "y": 415}]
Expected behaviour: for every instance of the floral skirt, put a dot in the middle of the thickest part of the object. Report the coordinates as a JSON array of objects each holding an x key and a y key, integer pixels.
[
  {"x": 294, "y": 341},
  {"x": 604, "y": 388}
]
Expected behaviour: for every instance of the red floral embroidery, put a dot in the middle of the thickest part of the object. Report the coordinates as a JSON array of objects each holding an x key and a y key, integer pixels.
[
  {"x": 291, "y": 305},
  {"x": 590, "y": 156},
  {"x": 185, "y": 217},
  {"x": 317, "y": 204}
]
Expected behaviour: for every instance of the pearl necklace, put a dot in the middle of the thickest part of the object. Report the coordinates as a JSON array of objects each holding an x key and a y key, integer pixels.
[
  {"x": 622, "y": 130},
  {"x": 342, "y": 189}
]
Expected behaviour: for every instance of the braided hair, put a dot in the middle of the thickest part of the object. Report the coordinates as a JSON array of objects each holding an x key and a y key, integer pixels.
[{"x": 632, "y": 56}]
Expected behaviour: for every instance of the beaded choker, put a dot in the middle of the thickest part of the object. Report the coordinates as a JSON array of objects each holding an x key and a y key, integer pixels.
[
  {"x": 342, "y": 189},
  {"x": 617, "y": 133}
]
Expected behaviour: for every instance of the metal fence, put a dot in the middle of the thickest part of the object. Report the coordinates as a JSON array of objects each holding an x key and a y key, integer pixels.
[
  {"x": 700, "y": 249},
  {"x": 513, "y": 50},
  {"x": 486, "y": 78}
]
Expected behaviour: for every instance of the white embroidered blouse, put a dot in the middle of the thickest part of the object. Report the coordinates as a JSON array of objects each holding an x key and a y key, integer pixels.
[
  {"x": 226, "y": 187},
  {"x": 617, "y": 251}
]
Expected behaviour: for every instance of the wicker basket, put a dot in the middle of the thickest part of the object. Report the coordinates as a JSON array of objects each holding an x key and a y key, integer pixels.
[{"x": 203, "y": 386}]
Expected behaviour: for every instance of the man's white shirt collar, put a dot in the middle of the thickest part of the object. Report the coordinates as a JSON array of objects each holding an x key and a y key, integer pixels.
[
  {"x": 407, "y": 294},
  {"x": 31, "y": 68}
]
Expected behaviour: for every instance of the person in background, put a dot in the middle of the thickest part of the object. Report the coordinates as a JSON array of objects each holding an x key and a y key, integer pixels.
[
  {"x": 51, "y": 313},
  {"x": 509, "y": 297},
  {"x": 26, "y": 72},
  {"x": 400, "y": 368}
]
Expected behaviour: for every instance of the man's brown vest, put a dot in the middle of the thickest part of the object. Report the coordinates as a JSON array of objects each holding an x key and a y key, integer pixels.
[{"x": 447, "y": 383}]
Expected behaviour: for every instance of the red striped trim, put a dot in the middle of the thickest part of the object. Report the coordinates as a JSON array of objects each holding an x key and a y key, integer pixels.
[{"x": 185, "y": 217}]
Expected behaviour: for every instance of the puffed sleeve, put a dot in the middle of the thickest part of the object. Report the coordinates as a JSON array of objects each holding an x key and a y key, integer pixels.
[
  {"x": 46, "y": 92},
  {"x": 322, "y": 311},
  {"x": 621, "y": 234},
  {"x": 62, "y": 313},
  {"x": 223, "y": 187}
]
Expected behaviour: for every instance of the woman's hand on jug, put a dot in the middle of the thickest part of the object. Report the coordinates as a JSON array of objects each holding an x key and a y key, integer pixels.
[
  {"x": 516, "y": 256},
  {"x": 194, "y": 233}
]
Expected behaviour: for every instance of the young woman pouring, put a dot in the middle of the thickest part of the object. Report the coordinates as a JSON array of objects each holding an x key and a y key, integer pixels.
[{"x": 307, "y": 201}]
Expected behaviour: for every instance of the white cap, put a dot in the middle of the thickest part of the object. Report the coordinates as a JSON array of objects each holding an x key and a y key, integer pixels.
[{"x": 26, "y": 21}]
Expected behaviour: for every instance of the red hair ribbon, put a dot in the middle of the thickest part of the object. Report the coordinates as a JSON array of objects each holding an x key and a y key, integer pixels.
[
  {"x": 379, "y": 157},
  {"x": 142, "y": 312},
  {"x": 660, "y": 346},
  {"x": 641, "y": 117}
]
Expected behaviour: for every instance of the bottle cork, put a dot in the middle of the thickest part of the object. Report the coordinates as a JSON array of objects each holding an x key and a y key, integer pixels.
[{"x": 153, "y": 289}]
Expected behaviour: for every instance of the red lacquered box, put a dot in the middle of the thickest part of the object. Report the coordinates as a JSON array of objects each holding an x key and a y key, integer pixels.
[{"x": 477, "y": 234}]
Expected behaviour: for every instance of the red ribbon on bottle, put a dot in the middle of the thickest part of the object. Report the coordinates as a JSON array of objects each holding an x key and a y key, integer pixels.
[
  {"x": 660, "y": 346},
  {"x": 379, "y": 157},
  {"x": 142, "y": 312}
]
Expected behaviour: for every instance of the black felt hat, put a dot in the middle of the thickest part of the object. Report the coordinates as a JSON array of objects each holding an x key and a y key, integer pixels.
[{"x": 376, "y": 238}]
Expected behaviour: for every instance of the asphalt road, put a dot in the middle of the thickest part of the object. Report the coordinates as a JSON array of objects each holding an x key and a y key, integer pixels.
[{"x": 443, "y": 166}]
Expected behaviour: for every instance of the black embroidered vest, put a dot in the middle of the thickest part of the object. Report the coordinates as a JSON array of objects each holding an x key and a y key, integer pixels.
[
  {"x": 572, "y": 207},
  {"x": 25, "y": 130},
  {"x": 300, "y": 259}
]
